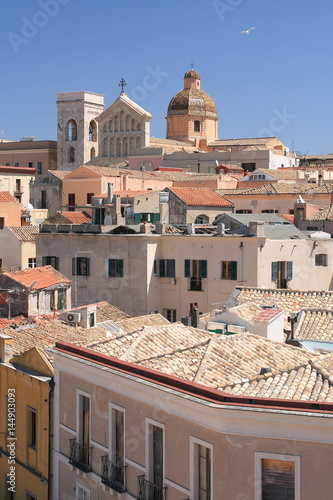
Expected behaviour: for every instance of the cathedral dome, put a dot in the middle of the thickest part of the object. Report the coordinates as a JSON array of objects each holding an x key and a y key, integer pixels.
[{"x": 193, "y": 102}]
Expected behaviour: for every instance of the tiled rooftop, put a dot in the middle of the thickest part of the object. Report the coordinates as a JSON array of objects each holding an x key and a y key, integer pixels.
[
  {"x": 6, "y": 197},
  {"x": 315, "y": 324},
  {"x": 138, "y": 322},
  {"x": 326, "y": 213},
  {"x": 44, "y": 276},
  {"x": 66, "y": 217},
  {"x": 25, "y": 233},
  {"x": 199, "y": 356},
  {"x": 201, "y": 197},
  {"x": 309, "y": 382}
]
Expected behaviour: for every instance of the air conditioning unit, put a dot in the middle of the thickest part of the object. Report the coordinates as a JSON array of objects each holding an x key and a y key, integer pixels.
[
  {"x": 173, "y": 281},
  {"x": 73, "y": 317}
]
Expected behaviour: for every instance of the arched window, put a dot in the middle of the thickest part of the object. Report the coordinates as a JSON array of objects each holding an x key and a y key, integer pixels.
[
  {"x": 138, "y": 142},
  {"x": 125, "y": 147},
  {"x": 128, "y": 122},
  {"x": 92, "y": 153},
  {"x": 71, "y": 131},
  {"x": 131, "y": 144},
  {"x": 105, "y": 146},
  {"x": 121, "y": 121},
  {"x": 112, "y": 147},
  {"x": 138, "y": 127},
  {"x": 118, "y": 146},
  {"x": 111, "y": 126},
  {"x": 196, "y": 126},
  {"x": 132, "y": 124},
  {"x": 116, "y": 119},
  {"x": 104, "y": 127},
  {"x": 92, "y": 131},
  {"x": 71, "y": 154},
  {"x": 202, "y": 219}
]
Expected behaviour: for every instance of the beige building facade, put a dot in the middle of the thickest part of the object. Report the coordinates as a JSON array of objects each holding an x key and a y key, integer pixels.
[{"x": 39, "y": 155}]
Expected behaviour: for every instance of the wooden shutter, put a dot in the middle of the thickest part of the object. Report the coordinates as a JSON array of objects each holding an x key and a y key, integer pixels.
[
  {"x": 44, "y": 261},
  {"x": 87, "y": 267},
  {"x": 203, "y": 269},
  {"x": 289, "y": 270},
  {"x": 56, "y": 263},
  {"x": 233, "y": 270},
  {"x": 111, "y": 268},
  {"x": 137, "y": 218},
  {"x": 120, "y": 268},
  {"x": 156, "y": 217},
  {"x": 275, "y": 269},
  {"x": 172, "y": 268},
  {"x": 74, "y": 266},
  {"x": 187, "y": 268}
]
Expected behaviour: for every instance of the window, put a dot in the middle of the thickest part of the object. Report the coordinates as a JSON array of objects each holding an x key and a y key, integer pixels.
[
  {"x": 117, "y": 446},
  {"x": 71, "y": 154},
  {"x": 84, "y": 428},
  {"x": 39, "y": 167},
  {"x": 30, "y": 164},
  {"x": 7, "y": 164},
  {"x": 18, "y": 185},
  {"x": 43, "y": 199},
  {"x": 195, "y": 270},
  {"x": 62, "y": 299},
  {"x": 71, "y": 131},
  {"x": 32, "y": 262},
  {"x": 155, "y": 455},
  {"x": 2, "y": 222},
  {"x": 196, "y": 126},
  {"x": 92, "y": 153},
  {"x": 71, "y": 201},
  {"x": 81, "y": 492},
  {"x": 92, "y": 131},
  {"x": 170, "y": 315},
  {"x": 282, "y": 272},
  {"x": 277, "y": 476},
  {"x": 243, "y": 211},
  {"x": 116, "y": 268},
  {"x": 269, "y": 211},
  {"x": 321, "y": 259},
  {"x": 202, "y": 219},
  {"x": 80, "y": 266},
  {"x": 16, "y": 164},
  {"x": 89, "y": 198},
  {"x": 228, "y": 270},
  {"x": 201, "y": 469},
  {"x": 31, "y": 428},
  {"x": 50, "y": 260},
  {"x": 167, "y": 268}
]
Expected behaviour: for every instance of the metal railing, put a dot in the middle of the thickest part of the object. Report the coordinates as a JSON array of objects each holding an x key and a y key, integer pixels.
[
  {"x": 149, "y": 491},
  {"x": 80, "y": 455},
  {"x": 113, "y": 475}
]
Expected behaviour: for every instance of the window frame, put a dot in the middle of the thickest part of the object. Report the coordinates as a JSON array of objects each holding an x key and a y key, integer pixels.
[
  {"x": 149, "y": 424},
  {"x": 172, "y": 313},
  {"x": 259, "y": 456},
  {"x": 31, "y": 430},
  {"x": 112, "y": 433},
  {"x": 166, "y": 268},
  {"x": 319, "y": 258},
  {"x": 76, "y": 266},
  {"x": 78, "y": 487},
  {"x": 117, "y": 267},
  {"x": 48, "y": 259},
  {"x": 229, "y": 270},
  {"x": 32, "y": 263},
  {"x": 79, "y": 428},
  {"x": 194, "y": 466}
]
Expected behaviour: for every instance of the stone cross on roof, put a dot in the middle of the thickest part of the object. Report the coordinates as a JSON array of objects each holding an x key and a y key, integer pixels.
[{"x": 122, "y": 84}]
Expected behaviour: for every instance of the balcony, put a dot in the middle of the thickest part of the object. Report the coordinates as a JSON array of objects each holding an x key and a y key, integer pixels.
[
  {"x": 149, "y": 491},
  {"x": 80, "y": 455},
  {"x": 113, "y": 475}
]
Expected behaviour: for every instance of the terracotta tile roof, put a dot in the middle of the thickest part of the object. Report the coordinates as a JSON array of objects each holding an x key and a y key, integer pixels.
[
  {"x": 44, "y": 276},
  {"x": 248, "y": 141},
  {"x": 310, "y": 382},
  {"x": 106, "y": 311},
  {"x": 196, "y": 355},
  {"x": 60, "y": 174},
  {"x": 201, "y": 197},
  {"x": 6, "y": 197},
  {"x": 139, "y": 322},
  {"x": 315, "y": 324},
  {"x": 78, "y": 217},
  {"x": 25, "y": 233},
  {"x": 46, "y": 333},
  {"x": 287, "y": 217},
  {"x": 5, "y": 322},
  {"x": 267, "y": 315},
  {"x": 325, "y": 213},
  {"x": 294, "y": 188}
]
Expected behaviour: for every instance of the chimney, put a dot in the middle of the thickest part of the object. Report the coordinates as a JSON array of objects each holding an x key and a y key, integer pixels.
[
  {"x": 164, "y": 206},
  {"x": 145, "y": 228},
  {"x": 117, "y": 209},
  {"x": 125, "y": 181},
  {"x": 257, "y": 228},
  {"x": 190, "y": 228},
  {"x": 6, "y": 348},
  {"x": 160, "y": 228},
  {"x": 320, "y": 179},
  {"x": 110, "y": 191},
  {"x": 220, "y": 231}
]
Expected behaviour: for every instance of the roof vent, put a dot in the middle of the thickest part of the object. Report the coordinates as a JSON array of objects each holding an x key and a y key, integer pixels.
[{"x": 265, "y": 369}]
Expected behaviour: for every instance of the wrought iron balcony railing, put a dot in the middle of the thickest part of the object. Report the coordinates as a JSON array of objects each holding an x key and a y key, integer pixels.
[
  {"x": 113, "y": 475},
  {"x": 149, "y": 491},
  {"x": 80, "y": 455}
]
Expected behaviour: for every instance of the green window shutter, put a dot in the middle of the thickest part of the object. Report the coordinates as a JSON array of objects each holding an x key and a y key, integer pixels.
[
  {"x": 203, "y": 269},
  {"x": 233, "y": 270},
  {"x": 137, "y": 218},
  {"x": 111, "y": 268},
  {"x": 187, "y": 268},
  {"x": 88, "y": 267},
  {"x": 121, "y": 268},
  {"x": 172, "y": 268},
  {"x": 44, "y": 261},
  {"x": 73, "y": 266},
  {"x": 289, "y": 270},
  {"x": 275, "y": 269},
  {"x": 162, "y": 268},
  {"x": 155, "y": 217},
  {"x": 56, "y": 263}
]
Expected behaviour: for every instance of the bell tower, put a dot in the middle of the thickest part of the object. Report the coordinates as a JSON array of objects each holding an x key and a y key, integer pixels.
[{"x": 77, "y": 129}]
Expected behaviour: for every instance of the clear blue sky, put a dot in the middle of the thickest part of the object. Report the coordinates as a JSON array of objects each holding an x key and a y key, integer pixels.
[{"x": 275, "y": 81}]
